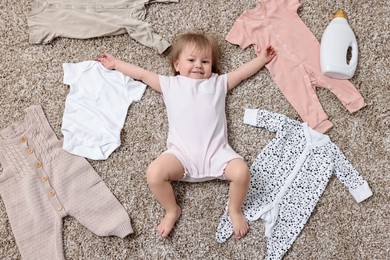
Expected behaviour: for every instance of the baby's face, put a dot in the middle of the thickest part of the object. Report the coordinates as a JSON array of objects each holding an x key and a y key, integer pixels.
[{"x": 194, "y": 63}]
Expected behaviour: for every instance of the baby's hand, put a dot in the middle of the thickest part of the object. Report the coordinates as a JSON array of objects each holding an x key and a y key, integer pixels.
[
  {"x": 107, "y": 60},
  {"x": 267, "y": 53}
]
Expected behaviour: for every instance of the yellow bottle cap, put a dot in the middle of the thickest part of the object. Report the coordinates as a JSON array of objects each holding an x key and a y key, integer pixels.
[{"x": 340, "y": 13}]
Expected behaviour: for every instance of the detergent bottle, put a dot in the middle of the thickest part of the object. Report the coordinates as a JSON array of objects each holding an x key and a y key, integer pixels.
[{"x": 338, "y": 49}]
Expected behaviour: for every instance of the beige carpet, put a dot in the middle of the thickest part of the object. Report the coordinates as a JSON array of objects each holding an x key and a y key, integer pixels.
[{"x": 339, "y": 228}]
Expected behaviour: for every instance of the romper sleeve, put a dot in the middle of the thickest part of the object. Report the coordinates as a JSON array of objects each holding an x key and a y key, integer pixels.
[
  {"x": 292, "y": 5},
  {"x": 237, "y": 34},
  {"x": 221, "y": 80},
  {"x": 134, "y": 89},
  {"x": 72, "y": 71},
  {"x": 271, "y": 121},
  {"x": 164, "y": 83},
  {"x": 350, "y": 177}
]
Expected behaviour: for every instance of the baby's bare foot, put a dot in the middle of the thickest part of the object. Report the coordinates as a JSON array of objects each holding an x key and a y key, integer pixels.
[
  {"x": 167, "y": 223},
  {"x": 240, "y": 224}
]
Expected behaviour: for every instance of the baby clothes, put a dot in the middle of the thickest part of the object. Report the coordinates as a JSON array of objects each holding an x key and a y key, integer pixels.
[
  {"x": 83, "y": 19},
  {"x": 41, "y": 184},
  {"x": 288, "y": 178},
  {"x": 96, "y": 108},
  {"x": 197, "y": 125},
  {"x": 296, "y": 68}
]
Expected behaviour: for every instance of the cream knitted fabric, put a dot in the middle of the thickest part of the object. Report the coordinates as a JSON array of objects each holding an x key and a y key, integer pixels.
[
  {"x": 41, "y": 183},
  {"x": 84, "y": 19}
]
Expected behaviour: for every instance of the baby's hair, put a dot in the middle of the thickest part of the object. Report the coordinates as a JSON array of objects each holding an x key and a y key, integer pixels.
[{"x": 202, "y": 42}]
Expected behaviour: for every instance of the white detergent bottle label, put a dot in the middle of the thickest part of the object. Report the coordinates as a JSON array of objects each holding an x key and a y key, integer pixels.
[{"x": 338, "y": 50}]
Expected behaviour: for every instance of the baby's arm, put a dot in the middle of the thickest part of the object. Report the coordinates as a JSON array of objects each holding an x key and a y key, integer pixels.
[
  {"x": 250, "y": 68},
  {"x": 148, "y": 77}
]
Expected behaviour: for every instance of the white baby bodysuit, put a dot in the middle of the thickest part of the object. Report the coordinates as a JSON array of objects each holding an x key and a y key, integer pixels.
[{"x": 96, "y": 108}]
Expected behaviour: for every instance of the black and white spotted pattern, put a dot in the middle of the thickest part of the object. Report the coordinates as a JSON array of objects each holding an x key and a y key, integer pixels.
[{"x": 288, "y": 178}]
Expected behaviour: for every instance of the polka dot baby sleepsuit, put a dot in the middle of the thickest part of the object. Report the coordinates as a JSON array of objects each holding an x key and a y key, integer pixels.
[{"x": 288, "y": 178}]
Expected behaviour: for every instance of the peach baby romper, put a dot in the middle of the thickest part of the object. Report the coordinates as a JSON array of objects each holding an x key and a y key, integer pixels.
[{"x": 296, "y": 69}]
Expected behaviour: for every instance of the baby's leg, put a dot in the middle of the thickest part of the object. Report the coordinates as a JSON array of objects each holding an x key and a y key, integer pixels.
[
  {"x": 160, "y": 173},
  {"x": 237, "y": 173}
]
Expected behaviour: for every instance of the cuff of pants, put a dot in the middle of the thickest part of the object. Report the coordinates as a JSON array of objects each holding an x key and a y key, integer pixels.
[
  {"x": 356, "y": 105},
  {"x": 324, "y": 126},
  {"x": 123, "y": 230}
]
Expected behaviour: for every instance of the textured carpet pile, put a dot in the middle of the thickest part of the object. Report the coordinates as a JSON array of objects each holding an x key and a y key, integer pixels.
[{"x": 339, "y": 228}]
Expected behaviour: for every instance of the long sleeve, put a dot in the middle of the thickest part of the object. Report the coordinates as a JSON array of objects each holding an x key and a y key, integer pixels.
[
  {"x": 262, "y": 118},
  {"x": 350, "y": 177},
  {"x": 143, "y": 33}
]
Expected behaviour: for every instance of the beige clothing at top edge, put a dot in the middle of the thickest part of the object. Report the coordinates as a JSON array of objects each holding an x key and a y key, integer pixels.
[
  {"x": 40, "y": 184},
  {"x": 83, "y": 19}
]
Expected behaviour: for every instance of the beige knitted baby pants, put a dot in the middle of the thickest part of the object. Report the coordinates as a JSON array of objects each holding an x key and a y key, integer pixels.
[{"x": 41, "y": 184}]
